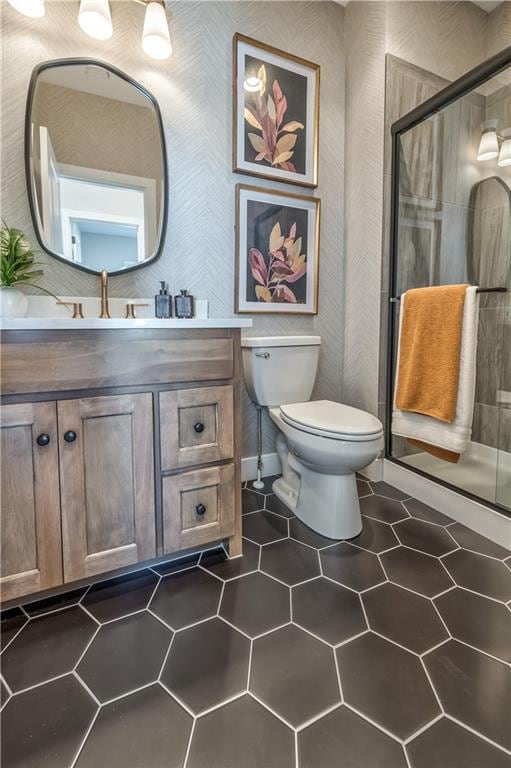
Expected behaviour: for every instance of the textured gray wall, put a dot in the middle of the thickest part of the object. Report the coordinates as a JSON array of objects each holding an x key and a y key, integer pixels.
[
  {"x": 194, "y": 91},
  {"x": 447, "y": 38}
]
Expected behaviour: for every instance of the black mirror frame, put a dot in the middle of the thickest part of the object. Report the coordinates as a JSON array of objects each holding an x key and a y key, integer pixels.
[
  {"x": 452, "y": 92},
  {"x": 27, "y": 146}
]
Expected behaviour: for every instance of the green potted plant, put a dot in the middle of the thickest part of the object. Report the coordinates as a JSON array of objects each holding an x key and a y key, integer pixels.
[{"x": 17, "y": 264}]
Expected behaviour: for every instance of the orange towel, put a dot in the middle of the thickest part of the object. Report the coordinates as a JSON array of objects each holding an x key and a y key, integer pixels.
[
  {"x": 430, "y": 346},
  {"x": 435, "y": 450}
]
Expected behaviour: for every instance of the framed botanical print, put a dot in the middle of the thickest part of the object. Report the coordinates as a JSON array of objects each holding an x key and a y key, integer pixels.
[
  {"x": 276, "y": 113},
  {"x": 277, "y": 252}
]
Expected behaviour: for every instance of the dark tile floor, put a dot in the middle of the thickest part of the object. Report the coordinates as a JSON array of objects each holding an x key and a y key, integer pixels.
[{"x": 388, "y": 651}]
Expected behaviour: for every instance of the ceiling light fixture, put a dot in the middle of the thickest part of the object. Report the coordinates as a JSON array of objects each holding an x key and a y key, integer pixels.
[
  {"x": 155, "y": 35},
  {"x": 33, "y": 8},
  {"x": 505, "y": 149},
  {"x": 95, "y": 19},
  {"x": 489, "y": 144}
]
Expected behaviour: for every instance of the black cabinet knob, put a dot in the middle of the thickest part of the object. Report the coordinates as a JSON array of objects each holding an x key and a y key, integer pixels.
[
  {"x": 199, "y": 427},
  {"x": 200, "y": 509},
  {"x": 70, "y": 436},
  {"x": 43, "y": 440}
]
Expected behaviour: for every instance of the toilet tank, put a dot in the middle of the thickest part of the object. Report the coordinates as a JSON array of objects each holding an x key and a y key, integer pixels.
[{"x": 280, "y": 369}]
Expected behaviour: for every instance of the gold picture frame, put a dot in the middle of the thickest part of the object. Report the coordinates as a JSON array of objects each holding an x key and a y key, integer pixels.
[
  {"x": 298, "y": 135},
  {"x": 290, "y": 271}
]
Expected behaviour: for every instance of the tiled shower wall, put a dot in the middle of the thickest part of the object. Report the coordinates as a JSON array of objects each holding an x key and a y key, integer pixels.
[{"x": 193, "y": 89}]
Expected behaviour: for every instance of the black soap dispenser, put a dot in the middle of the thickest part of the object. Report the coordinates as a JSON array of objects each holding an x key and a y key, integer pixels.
[
  {"x": 185, "y": 305},
  {"x": 163, "y": 302}
]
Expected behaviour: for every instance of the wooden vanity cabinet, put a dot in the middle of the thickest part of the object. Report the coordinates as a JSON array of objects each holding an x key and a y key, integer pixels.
[
  {"x": 100, "y": 477},
  {"x": 106, "y": 483},
  {"x": 31, "y": 553}
]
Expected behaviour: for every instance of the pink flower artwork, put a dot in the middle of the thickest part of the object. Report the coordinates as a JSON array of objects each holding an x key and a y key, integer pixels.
[
  {"x": 265, "y": 112},
  {"x": 284, "y": 265}
]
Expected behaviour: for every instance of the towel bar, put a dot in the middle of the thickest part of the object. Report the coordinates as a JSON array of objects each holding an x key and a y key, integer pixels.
[{"x": 498, "y": 289}]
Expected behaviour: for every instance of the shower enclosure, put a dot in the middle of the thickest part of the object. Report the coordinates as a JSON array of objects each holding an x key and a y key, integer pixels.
[{"x": 451, "y": 223}]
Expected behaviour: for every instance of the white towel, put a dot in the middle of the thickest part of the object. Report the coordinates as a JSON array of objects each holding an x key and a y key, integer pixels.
[{"x": 456, "y": 435}]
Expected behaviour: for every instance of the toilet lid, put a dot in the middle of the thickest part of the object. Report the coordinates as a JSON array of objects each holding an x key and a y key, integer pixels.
[{"x": 325, "y": 416}]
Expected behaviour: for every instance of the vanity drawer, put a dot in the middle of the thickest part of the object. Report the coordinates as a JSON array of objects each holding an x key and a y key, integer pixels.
[
  {"x": 196, "y": 426},
  {"x": 198, "y": 507},
  {"x": 116, "y": 358}
]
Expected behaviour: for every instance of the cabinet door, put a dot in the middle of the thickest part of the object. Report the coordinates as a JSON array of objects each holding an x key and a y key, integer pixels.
[
  {"x": 198, "y": 507},
  {"x": 31, "y": 552},
  {"x": 196, "y": 426},
  {"x": 107, "y": 483}
]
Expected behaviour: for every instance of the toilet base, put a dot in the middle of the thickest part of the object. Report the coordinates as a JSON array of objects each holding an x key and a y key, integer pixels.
[{"x": 326, "y": 503}]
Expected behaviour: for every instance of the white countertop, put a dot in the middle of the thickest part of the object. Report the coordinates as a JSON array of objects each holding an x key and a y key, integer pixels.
[{"x": 58, "y": 323}]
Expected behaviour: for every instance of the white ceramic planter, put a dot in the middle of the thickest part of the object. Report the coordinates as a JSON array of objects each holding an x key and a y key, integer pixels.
[{"x": 13, "y": 303}]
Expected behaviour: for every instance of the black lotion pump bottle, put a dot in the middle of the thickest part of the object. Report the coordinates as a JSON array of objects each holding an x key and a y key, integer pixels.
[{"x": 163, "y": 302}]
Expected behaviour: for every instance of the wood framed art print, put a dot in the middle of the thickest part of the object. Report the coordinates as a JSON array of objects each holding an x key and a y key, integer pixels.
[
  {"x": 277, "y": 252},
  {"x": 275, "y": 114}
]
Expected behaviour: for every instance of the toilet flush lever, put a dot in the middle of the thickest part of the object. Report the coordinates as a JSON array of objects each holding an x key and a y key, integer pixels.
[{"x": 266, "y": 355}]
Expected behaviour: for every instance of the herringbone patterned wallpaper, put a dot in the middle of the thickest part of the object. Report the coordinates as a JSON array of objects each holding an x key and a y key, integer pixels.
[{"x": 194, "y": 91}]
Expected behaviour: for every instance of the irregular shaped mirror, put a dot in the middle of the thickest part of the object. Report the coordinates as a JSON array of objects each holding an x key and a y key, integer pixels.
[{"x": 96, "y": 166}]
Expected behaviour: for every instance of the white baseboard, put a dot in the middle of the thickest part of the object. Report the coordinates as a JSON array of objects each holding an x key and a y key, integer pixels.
[
  {"x": 271, "y": 466},
  {"x": 488, "y": 522},
  {"x": 374, "y": 470}
]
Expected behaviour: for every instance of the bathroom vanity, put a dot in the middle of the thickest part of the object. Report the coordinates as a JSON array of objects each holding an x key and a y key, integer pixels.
[{"x": 119, "y": 445}]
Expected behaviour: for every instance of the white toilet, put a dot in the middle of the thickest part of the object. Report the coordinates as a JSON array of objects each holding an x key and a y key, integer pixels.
[{"x": 321, "y": 444}]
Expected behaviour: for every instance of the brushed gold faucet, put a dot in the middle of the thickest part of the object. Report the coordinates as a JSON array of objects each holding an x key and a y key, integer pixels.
[{"x": 105, "y": 314}]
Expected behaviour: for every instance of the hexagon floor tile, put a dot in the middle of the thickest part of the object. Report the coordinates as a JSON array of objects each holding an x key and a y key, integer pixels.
[
  {"x": 146, "y": 728},
  {"x": 186, "y": 597},
  {"x": 473, "y": 688},
  {"x": 125, "y": 654},
  {"x": 478, "y": 621},
  {"x": 264, "y": 527},
  {"x": 404, "y": 617},
  {"x": 375, "y": 536},
  {"x": 290, "y": 562},
  {"x": 416, "y": 571},
  {"x": 207, "y": 664},
  {"x": 114, "y": 598},
  {"x": 343, "y": 738},
  {"x": 426, "y": 537},
  {"x": 298, "y": 598},
  {"x": 294, "y": 674},
  {"x": 383, "y": 509},
  {"x": 351, "y": 566},
  {"x": 46, "y": 647},
  {"x": 328, "y": 610},
  {"x": 386, "y": 683},
  {"x": 45, "y": 726},
  {"x": 423, "y": 512},
  {"x": 242, "y": 734},
  {"x": 216, "y": 561},
  {"x": 255, "y": 604},
  {"x": 446, "y": 743},
  {"x": 480, "y": 574}
]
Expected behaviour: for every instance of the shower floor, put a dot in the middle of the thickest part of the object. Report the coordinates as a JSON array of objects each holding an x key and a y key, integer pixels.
[
  {"x": 482, "y": 471},
  {"x": 388, "y": 651}
]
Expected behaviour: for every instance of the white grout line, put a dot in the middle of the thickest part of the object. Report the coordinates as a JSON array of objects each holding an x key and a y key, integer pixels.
[
  {"x": 38, "y": 685},
  {"x": 329, "y": 645},
  {"x": 165, "y": 657},
  {"x": 189, "y": 745},
  {"x": 85, "y": 737},
  {"x": 86, "y": 610},
  {"x": 249, "y": 670},
  {"x": 220, "y": 704},
  {"x": 423, "y": 728},
  {"x": 176, "y": 698},
  {"x": 477, "y": 733},
  {"x": 373, "y": 722},
  {"x": 86, "y": 687},
  {"x": 236, "y": 629},
  {"x": 354, "y": 637},
  {"x": 319, "y": 716},
  {"x": 338, "y": 673},
  {"x": 430, "y": 681},
  {"x": 9, "y": 690},
  {"x": 273, "y": 712}
]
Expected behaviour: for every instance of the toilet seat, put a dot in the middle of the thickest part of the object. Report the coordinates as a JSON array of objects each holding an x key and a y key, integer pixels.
[{"x": 336, "y": 421}]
